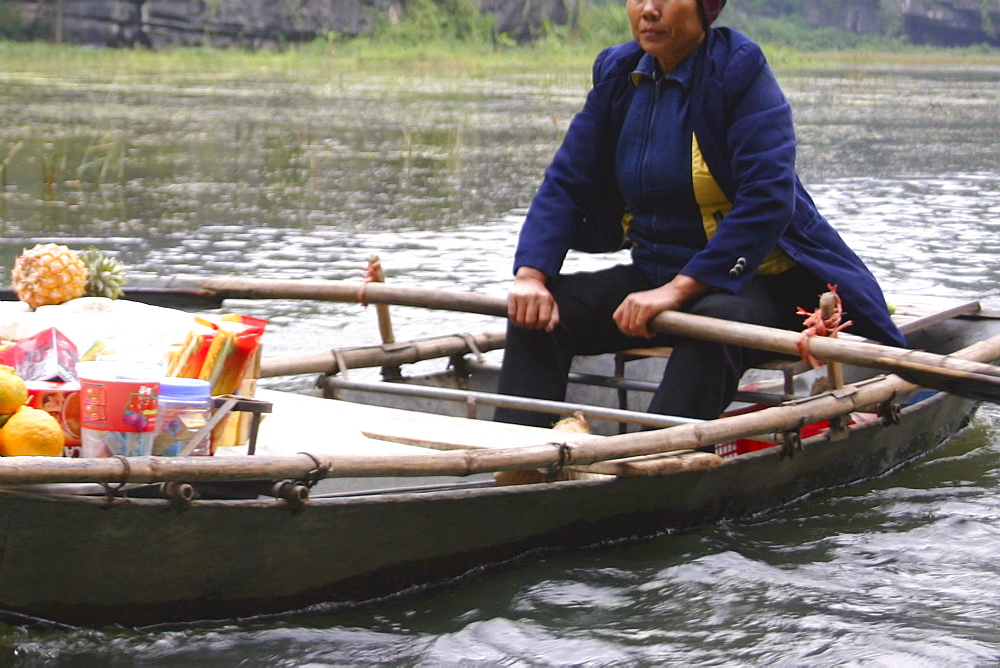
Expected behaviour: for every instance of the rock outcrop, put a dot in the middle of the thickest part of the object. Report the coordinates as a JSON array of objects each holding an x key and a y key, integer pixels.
[
  {"x": 858, "y": 16},
  {"x": 525, "y": 20},
  {"x": 950, "y": 22},
  {"x": 249, "y": 23},
  {"x": 273, "y": 23}
]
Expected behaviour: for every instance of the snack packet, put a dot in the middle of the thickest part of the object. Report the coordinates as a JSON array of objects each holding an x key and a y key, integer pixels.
[{"x": 219, "y": 352}]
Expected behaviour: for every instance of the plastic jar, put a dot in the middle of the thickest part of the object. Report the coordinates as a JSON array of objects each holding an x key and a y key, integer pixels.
[{"x": 185, "y": 406}]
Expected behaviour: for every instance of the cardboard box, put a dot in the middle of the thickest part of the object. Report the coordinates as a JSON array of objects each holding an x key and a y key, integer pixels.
[{"x": 62, "y": 401}]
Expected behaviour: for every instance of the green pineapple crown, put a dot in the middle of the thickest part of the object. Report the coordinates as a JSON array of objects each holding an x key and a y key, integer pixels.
[{"x": 105, "y": 274}]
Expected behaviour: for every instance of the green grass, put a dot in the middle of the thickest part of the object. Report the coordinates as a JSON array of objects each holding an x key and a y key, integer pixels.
[
  {"x": 459, "y": 43},
  {"x": 326, "y": 60}
]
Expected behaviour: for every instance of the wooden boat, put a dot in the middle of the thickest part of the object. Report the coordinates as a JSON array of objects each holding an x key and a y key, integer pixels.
[{"x": 345, "y": 502}]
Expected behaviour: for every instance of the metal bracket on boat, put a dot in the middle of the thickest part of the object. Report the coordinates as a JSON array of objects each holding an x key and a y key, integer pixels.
[
  {"x": 459, "y": 365},
  {"x": 838, "y": 427},
  {"x": 553, "y": 470},
  {"x": 180, "y": 494},
  {"x": 296, "y": 492},
  {"x": 889, "y": 411},
  {"x": 791, "y": 441},
  {"x": 471, "y": 407},
  {"x": 293, "y": 492},
  {"x": 393, "y": 372}
]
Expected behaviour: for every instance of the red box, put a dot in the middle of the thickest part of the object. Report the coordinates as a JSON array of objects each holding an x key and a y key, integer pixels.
[{"x": 62, "y": 401}]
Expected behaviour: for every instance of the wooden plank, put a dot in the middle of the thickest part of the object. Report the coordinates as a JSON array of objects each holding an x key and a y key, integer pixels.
[
  {"x": 442, "y": 432},
  {"x": 917, "y": 317},
  {"x": 300, "y": 422}
]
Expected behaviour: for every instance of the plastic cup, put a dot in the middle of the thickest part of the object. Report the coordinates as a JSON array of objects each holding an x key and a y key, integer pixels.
[{"x": 118, "y": 406}]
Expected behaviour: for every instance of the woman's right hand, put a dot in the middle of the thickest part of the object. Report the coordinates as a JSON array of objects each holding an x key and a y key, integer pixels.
[{"x": 529, "y": 302}]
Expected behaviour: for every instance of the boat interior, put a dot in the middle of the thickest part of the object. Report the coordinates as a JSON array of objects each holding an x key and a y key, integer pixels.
[{"x": 399, "y": 414}]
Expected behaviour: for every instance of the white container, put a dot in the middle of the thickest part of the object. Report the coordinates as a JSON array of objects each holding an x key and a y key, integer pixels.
[{"x": 185, "y": 405}]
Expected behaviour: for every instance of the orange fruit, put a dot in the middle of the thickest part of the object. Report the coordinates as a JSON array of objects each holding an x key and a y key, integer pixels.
[
  {"x": 13, "y": 393},
  {"x": 31, "y": 431}
]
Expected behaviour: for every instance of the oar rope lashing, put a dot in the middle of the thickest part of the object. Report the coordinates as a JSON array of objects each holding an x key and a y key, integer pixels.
[{"x": 820, "y": 324}]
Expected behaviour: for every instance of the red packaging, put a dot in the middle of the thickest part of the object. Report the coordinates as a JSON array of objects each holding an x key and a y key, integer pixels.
[
  {"x": 62, "y": 401},
  {"x": 47, "y": 355}
]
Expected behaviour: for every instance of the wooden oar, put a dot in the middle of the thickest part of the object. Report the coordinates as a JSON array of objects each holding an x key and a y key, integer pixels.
[
  {"x": 940, "y": 372},
  {"x": 351, "y": 291}
]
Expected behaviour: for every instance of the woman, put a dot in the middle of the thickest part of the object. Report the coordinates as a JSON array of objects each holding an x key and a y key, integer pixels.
[{"x": 686, "y": 141}]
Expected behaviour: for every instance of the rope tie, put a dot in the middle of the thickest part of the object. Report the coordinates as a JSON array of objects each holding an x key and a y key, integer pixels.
[
  {"x": 556, "y": 467},
  {"x": 112, "y": 491},
  {"x": 473, "y": 348},
  {"x": 317, "y": 473},
  {"x": 369, "y": 275},
  {"x": 816, "y": 325}
]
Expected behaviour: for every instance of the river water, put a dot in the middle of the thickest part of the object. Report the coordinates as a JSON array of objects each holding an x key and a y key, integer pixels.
[{"x": 217, "y": 175}]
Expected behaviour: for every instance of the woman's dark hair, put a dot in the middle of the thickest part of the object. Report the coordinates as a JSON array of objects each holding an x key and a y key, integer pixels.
[{"x": 704, "y": 17}]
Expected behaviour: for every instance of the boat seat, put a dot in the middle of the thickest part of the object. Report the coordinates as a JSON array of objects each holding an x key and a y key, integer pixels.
[{"x": 788, "y": 367}]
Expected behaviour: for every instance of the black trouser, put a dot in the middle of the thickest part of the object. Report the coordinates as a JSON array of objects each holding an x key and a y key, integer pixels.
[{"x": 700, "y": 379}]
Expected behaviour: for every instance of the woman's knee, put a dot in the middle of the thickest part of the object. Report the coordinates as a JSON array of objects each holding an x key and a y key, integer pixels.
[
  {"x": 723, "y": 305},
  {"x": 750, "y": 307}
]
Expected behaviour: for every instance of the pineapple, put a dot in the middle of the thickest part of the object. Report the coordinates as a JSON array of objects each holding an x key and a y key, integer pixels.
[
  {"x": 49, "y": 274},
  {"x": 105, "y": 275},
  {"x": 53, "y": 274}
]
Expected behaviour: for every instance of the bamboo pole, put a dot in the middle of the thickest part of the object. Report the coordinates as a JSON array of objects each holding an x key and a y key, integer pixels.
[
  {"x": 582, "y": 450},
  {"x": 571, "y": 452},
  {"x": 377, "y": 275},
  {"x": 980, "y": 381},
  {"x": 381, "y": 310},
  {"x": 384, "y": 355}
]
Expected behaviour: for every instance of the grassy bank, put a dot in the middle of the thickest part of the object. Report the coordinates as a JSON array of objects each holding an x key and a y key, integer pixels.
[
  {"x": 325, "y": 60},
  {"x": 461, "y": 44}
]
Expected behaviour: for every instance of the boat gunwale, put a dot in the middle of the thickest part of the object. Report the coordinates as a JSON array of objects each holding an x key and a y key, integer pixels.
[{"x": 448, "y": 491}]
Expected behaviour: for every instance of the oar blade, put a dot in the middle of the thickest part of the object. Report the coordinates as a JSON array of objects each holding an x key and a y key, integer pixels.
[{"x": 979, "y": 386}]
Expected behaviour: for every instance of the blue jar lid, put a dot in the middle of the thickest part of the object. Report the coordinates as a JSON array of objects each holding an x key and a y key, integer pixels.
[{"x": 190, "y": 389}]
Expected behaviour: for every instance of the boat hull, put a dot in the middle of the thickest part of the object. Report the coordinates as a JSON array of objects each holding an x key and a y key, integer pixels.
[
  {"x": 88, "y": 562},
  {"x": 94, "y": 560}
]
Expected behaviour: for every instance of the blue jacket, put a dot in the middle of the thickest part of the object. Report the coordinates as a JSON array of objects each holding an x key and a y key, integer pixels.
[{"x": 743, "y": 126}]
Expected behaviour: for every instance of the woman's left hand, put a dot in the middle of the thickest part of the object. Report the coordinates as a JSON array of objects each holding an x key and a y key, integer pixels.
[{"x": 636, "y": 311}]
